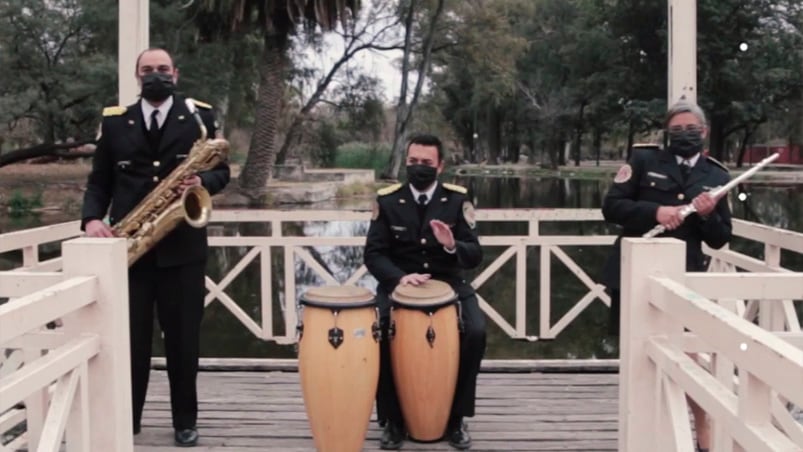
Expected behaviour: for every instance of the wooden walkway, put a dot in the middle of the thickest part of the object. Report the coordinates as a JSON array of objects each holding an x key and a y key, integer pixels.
[{"x": 250, "y": 411}]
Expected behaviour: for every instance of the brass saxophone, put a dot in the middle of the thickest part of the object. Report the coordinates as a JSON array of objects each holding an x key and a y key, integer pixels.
[{"x": 164, "y": 208}]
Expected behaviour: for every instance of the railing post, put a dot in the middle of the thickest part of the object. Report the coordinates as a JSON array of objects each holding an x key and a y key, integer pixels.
[
  {"x": 109, "y": 373},
  {"x": 638, "y": 380}
]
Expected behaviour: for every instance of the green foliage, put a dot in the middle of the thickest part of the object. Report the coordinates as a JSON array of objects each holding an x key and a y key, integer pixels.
[
  {"x": 362, "y": 155},
  {"x": 19, "y": 204},
  {"x": 327, "y": 139},
  {"x": 57, "y": 67}
]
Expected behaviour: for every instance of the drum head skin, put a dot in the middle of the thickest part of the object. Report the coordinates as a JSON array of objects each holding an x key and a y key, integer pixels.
[
  {"x": 431, "y": 294},
  {"x": 338, "y": 297}
]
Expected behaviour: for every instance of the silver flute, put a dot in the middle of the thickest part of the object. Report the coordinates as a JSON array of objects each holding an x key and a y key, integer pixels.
[{"x": 716, "y": 193}]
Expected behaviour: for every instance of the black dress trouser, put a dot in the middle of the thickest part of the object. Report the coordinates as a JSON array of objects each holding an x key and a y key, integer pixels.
[
  {"x": 472, "y": 349},
  {"x": 177, "y": 294}
]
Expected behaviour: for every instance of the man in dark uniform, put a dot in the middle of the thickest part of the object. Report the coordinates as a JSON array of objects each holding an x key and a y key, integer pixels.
[
  {"x": 652, "y": 188},
  {"x": 420, "y": 230},
  {"x": 139, "y": 146}
]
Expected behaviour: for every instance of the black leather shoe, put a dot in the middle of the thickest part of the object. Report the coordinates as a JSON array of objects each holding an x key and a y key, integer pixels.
[
  {"x": 392, "y": 436},
  {"x": 187, "y": 437},
  {"x": 457, "y": 434}
]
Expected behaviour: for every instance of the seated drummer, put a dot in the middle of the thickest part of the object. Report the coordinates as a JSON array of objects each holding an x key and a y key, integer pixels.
[{"x": 420, "y": 230}]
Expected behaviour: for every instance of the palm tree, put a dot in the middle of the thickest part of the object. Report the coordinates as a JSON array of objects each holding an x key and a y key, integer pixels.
[{"x": 277, "y": 21}]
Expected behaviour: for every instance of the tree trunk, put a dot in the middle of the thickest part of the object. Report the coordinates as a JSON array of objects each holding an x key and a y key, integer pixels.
[
  {"x": 45, "y": 149},
  {"x": 748, "y": 134},
  {"x": 597, "y": 143},
  {"x": 717, "y": 139},
  {"x": 494, "y": 135},
  {"x": 631, "y": 133},
  {"x": 404, "y": 110},
  {"x": 261, "y": 154},
  {"x": 577, "y": 144}
]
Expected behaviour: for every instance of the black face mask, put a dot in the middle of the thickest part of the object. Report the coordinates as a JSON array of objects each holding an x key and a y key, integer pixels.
[
  {"x": 685, "y": 143},
  {"x": 157, "y": 86},
  {"x": 421, "y": 177}
]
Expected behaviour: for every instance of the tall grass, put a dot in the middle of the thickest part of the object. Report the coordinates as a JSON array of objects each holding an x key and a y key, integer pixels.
[{"x": 362, "y": 155}]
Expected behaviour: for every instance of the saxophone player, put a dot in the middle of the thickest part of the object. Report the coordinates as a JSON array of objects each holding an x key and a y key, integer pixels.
[{"x": 140, "y": 145}]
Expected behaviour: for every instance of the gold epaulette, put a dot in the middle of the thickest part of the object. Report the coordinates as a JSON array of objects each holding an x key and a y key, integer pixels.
[
  {"x": 114, "y": 111},
  {"x": 457, "y": 188},
  {"x": 717, "y": 163},
  {"x": 200, "y": 104},
  {"x": 388, "y": 190}
]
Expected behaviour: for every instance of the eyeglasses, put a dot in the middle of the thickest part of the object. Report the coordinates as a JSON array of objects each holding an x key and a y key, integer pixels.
[{"x": 687, "y": 128}]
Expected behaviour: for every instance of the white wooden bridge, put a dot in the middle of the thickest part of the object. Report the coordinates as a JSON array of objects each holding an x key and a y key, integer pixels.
[{"x": 70, "y": 384}]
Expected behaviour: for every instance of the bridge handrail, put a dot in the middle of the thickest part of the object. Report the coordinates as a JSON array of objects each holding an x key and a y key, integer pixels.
[
  {"x": 659, "y": 301},
  {"x": 515, "y": 248},
  {"x": 89, "y": 405}
]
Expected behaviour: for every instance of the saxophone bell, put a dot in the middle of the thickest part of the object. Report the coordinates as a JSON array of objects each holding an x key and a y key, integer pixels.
[{"x": 197, "y": 206}]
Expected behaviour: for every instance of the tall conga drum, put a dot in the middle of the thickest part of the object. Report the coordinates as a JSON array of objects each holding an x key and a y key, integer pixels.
[
  {"x": 425, "y": 354},
  {"x": 338, "y": 363}
]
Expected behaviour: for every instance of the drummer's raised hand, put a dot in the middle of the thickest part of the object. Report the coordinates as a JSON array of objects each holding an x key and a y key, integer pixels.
[
  {"x": 443, "y": 233},
  {"x": 414, "y": 279}
]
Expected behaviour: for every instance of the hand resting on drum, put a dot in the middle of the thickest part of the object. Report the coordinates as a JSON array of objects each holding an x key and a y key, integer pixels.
[
  {"x": 443, "y": 233},
  {"x": 414, "y": 279}
]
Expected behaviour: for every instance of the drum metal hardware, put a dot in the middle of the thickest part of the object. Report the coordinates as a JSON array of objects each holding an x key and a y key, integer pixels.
[
  {"x": 430, "y": 332},
  {"x": 376, "y": 332},
  {"x": 335, "y": 333}
]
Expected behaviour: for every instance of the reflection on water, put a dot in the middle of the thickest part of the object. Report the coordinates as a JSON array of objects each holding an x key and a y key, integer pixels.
[
  {"x": 224, "y": 336},
  {"x": 584, "y": 338}
]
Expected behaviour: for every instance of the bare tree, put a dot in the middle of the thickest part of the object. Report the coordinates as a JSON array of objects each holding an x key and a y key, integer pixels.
[
  {"x": 371, "y": 32},
  {"x": 405, "y": 108}
]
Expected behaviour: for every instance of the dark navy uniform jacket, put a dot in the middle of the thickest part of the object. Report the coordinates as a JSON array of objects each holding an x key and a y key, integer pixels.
[
  {"x": 126, "y": 168},
  {"x": 655, "y": 180},
  {"x": 399, "y": 242}
]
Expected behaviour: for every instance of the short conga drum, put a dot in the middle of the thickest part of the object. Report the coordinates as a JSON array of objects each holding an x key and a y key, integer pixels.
[
  {"x": 425, "y": 354},
  {"x": 338, "y": 363}
]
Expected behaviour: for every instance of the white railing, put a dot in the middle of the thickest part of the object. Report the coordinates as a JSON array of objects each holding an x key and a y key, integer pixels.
[
  {"x": 72, "y": 384},
  {"x": 750, "y": 376},
  {"x": 515, "y": 248}
]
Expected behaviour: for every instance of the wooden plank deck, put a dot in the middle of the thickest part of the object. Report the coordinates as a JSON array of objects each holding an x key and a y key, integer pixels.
[{"x": 250, "y": 411}]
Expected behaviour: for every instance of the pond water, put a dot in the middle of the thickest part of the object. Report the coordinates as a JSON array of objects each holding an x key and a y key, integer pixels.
[{"x": 224, "y": 336}]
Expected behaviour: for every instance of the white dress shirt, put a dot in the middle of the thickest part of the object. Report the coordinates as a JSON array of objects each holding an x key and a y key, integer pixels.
[{"x": 164, "y": 109}]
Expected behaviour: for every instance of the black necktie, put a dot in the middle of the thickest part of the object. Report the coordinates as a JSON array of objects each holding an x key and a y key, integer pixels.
[
  {"x": 153, "y": 129},
  {"x": 422, "y": 205},
  {"x": 685, "y": 169}
]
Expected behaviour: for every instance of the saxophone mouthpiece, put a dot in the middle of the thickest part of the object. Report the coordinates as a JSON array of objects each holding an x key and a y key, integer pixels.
[{"x": 194, "y": 111}]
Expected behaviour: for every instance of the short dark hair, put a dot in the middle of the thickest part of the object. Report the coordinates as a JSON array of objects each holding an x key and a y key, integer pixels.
[
  {"x": 425, "y": 139},
  {"x": 153, "y": 49}
]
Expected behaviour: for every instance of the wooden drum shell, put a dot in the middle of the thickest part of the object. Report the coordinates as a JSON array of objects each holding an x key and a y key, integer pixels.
[
  {"x": 425, "y": 374},
  {"x": 338, "y": 382}
]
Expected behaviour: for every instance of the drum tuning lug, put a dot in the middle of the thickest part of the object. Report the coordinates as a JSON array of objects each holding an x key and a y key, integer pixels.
[
  {"x": 376, "y": 332},
  {"x": 300, "y": 330},
  {"x": 392, "y": 329},
  {"x": 335, "y": 337},
  {"x": 431, "y": 336}
]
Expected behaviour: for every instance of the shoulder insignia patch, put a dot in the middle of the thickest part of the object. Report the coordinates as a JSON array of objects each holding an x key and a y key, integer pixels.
[
  {"x": 468, "y": 214},
  {"x": 624, "y": 174},
  {"x": 114, "y": 111},
  {"x": 200, "y": 104},
  {"x": 716, "y": 162},
  {"x": 456, "y": 188},
  {"x": 388, "y": 190}
]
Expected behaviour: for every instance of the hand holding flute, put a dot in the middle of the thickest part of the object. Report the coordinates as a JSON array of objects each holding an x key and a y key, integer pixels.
[{"x": 671, "y": 217}]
